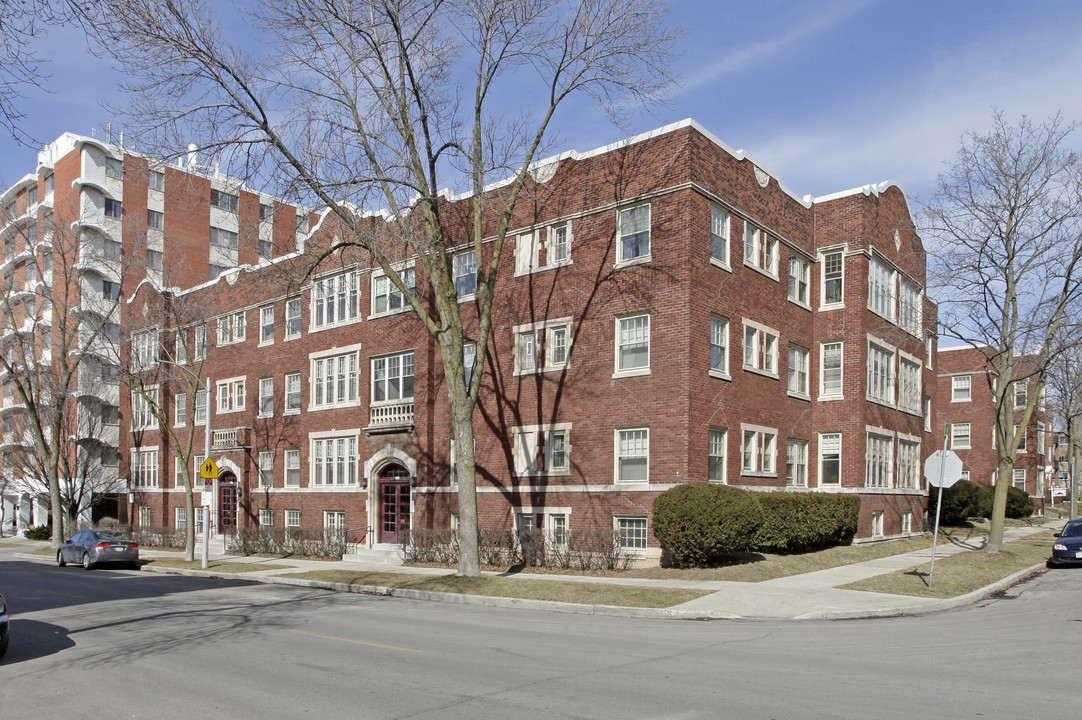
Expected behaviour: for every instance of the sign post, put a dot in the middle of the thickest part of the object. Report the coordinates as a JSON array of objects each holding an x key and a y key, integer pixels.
[
  {"x": 943, "y": 468},
  {"x": 208, "y": 471}
]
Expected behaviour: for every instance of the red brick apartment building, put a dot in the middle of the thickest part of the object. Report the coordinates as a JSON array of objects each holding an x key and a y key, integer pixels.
[
  {"x": 964, "y": 387},
  {"x": 667, "y": 312}
]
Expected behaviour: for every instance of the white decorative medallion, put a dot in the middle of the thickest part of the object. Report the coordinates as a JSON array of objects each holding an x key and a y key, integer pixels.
[
  {"x": 761, "y": 176},
  {"x": 544, "y": 173},
  {"x": 897, "y": 240}
]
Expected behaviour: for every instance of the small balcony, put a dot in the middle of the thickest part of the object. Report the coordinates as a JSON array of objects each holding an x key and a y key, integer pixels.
[
  {"x": 390, "y": 418},
  {"x": 230, "y": 438}
]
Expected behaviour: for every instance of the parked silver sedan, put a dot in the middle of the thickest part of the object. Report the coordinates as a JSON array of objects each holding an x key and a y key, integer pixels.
[{"x": 97, "y": 547}]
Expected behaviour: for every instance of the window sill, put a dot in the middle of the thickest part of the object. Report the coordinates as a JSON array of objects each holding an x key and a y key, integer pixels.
[
  {"x": 640, "y": 260},
  {"x": 389, "y": 313},
  {"x": 292, "y": 337},
  {"x": 752, "y": 474},
  {"x": 543, "y": 268},
  {"x": 334, "y": 326},
  {"x": 799, "y": 396},
  {"x": 720, "y": 374},
  {"x": 723, "y": 264},
  {"x": 639, "y": 372},
  {"x": 540, "y": 371},
  {"x": 799, "y": 304},
  {"x": 765, "y": 373},
  {"x": 335, "y": 406},
  {"x": 292, "y": 412},
  {"x": 268, "y": 343},
  {"x": 961, "y": 401},
  {"x": 761, "y": 271},
  {"x": 831, "y": 307},
  {"x": 262, "y": 416},
  {"x": 468, "y": 298},
  {"x": 830, "y": 398}
]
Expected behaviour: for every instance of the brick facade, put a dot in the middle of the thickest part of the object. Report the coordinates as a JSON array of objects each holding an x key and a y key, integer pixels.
[{"x": 723, "y": 351}]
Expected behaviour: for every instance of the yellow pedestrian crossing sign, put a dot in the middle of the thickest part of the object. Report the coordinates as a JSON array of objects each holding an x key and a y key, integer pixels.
[{"x": 208, "y": 470}]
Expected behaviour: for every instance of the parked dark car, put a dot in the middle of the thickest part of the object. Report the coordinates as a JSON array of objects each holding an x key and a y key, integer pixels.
[
  {"x": 1067, "y": 549},
  {"x": 97, "y": 547},
  {"x": 4, "y": 632}
]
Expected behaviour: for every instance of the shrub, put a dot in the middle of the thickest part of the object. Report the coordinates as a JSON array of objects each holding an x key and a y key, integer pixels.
[
  {"x": 960, "y": 501},
  {"x": 587, "y": 551},
  {"x": 700, "y": 523},
  {"x": 39, "y": 532},
  {"x": 796, "y": 522},
  {"x": 287, "y": 542},
  {"x": 1019, "y": 503}
]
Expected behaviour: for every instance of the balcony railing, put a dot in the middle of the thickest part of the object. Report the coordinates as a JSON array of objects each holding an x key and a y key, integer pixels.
[
  {"x": 388, "y": 418},
  {"x": 229, "y": 438}
]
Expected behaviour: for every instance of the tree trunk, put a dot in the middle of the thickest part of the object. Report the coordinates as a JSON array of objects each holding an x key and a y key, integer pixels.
[{"x": 999, "y": 508}]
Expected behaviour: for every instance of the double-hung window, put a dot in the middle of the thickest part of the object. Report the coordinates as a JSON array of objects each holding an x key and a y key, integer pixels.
[
  {"x": 909, "y": 307},
  {"x": 760, "y": 348},
  {"x": 796, "y": 463},
  {"x": 334, "y": 461},
  {"x": 293, "y": 318},
  {"x": 113, "y": 209},
  {"x": 293, "y": 468},
  {"x": 266, "y": 325},
  {"x": 633, "y": 344},
  {"x": 961, "y": 388},
  {"x": 880, "y": 374},
  {"x": 832, "y": 278},
  {"x": 880, "y": 461},
  {"x": 1021, "y": 394},
  {"x": 633, "y": 229},
  {"x": 231, "y": 328},
  {"x": 760, "y": 249},
  {"x": 266, "y": 397},
  {"x": 155, "y": 220},
  {"x": 881, "y": 292},
  {"x": 223, "y": 200},
  {"x": 156, "y": 180},
  {"x": 293, "y": 393},
  {"x": 633, "y": 455},
  {"x": 830, "y": 458},
  {"x": 759, "y": 450},
  {"x": 144, "y": 468},
  {"x": 200, "y": 407},
  {"x": 335, "y": 300},
  {"x": 266, "y": 468},
  {"x": 908, "y": 464},
  {"x": 542, "y": 450},
  {"x": 798, "y": 371},
  {"x": 200, "y": 342},
  {"x": 830, "y": 370},
  {"x": 180, "y": 409},
  {"x": 386, "y": 297},
  {"x": 465, "y": 270},
  {"x": 719, "y": 346},
  {"x": 1018, "y": 478},
  {"x": 531, "y": 254},
  {"x": 719, "y": 236},
  {"x": 960, "y": 436},
  {"x": 143, "y": 406},
  {"x": 334, "y": 379},
  {"x": 909, "y": 391},
  {"x": 144, "y": 346},
  {"x": 392, "y": 378},
  {"x": 231, "y": 395},
  {"x": 799, "y": 273},
  {"x": 532, "y": 356},
  {"x": 716, "y": 454},
  {"x": 223, "y": 238}
]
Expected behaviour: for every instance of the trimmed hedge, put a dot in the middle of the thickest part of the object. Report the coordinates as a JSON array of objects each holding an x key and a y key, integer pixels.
[
  {"x": 796, "y": 522},
  {"x": 699, "y": 524},
  {"x": 965, "y": 500}
]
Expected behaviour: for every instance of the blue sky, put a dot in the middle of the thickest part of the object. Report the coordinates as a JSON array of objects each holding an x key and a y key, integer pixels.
[{"x": 827, "y": 95}]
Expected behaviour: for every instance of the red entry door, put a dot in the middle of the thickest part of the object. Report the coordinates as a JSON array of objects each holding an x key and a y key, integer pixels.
[
  {"x": 394, "y": 504},
  {"x": 227, "y": 506}
]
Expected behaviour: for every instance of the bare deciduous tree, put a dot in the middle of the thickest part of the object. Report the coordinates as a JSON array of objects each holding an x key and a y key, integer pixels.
[
  {"x": 1006, "y": 229},
  {"x": 349, "y": 103}
]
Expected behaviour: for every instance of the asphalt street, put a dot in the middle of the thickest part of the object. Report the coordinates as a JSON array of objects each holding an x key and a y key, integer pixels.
[{"x": 125, "y": 644}]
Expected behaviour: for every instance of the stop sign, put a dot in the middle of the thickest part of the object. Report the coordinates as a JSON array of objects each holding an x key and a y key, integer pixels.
[{"x": 943, "y": 468}]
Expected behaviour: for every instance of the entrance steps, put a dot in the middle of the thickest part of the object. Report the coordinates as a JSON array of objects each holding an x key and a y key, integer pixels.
[{"x": 385, "y": 553}]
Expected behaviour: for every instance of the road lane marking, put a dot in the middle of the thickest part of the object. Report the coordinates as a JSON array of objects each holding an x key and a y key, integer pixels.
[{"x": 360, "y": 642}]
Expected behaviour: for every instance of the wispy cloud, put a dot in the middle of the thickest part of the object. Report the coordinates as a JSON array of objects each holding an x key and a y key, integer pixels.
[
  {"x": 906, "y": 130},
  {"x": 805, "y": 27}
]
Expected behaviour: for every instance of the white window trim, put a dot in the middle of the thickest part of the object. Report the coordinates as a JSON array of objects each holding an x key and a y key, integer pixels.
[
  {"x": 761, "y": 237},
  {"x": 151, "y": 408},
  {"x": 803, "y": 393},
  {"x": 145, "y": 450},
  {"x": 177, "y": 422},
  {"x": 542, "y": 355},
  {"x": 542, "y": 449},
  {"x": 378, "y": 273},
  {"x": 300, "y": 316},
  {"x": 884, "y": 434},
  {"x": 892, "y": 378},
  {"x": 724, "y": 479},
  {"x": 260, "y": 398},
  {"x": 760, "y": 432},
  {"x": 726, "y": 262},
  {"x": 537, "y": 245},
  {"x": 616, "y": 530},
  {"x": 313, "y": 300},
  {"x": 760, "y": 331},
  {"x": 726, "y": 373},
  {"x": 806, "y": 265},
  {"x": 823, "y": 304},
  {"x": 892, "y": 288},
  {"x": 819, "y": 466},
  {"x": 914, "y": 362},
  {"x": 372, "y": 379},
  {"x": 355, "y": 350},
  {"x": 262, "y": 323},
  {"x": 621, "y": 261},
  {"x": 286, "y": 410},
  {"x": 616, "y": 456},
  {"x": 285, "y": 468},
  {"x": 803, "y": 444},
  {"x": 237, "y": 321},
  {"x": 822, "y": 371},
  {"x": 231, "y": 385},
  {"x": 617, "y": 372},
  {"x": 957, "y": 446},
  {"x": 454, "y": 273},
  {"x": 954, "y": 388},
  {"x": 355, "y": 434}
]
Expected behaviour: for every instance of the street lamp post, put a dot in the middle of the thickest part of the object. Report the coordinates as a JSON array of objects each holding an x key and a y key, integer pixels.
[{"x": 206, "y": 449}]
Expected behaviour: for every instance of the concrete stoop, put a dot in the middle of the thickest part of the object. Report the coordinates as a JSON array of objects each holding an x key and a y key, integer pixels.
[{"x": 385, "y": 553}]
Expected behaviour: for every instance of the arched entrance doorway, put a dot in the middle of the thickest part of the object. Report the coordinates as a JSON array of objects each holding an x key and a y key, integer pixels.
[
  {"x": 394, "y": 504},
  {"x": 227, "y": 502}
]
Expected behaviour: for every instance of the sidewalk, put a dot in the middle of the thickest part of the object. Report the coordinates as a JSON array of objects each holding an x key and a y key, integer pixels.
[{"x": 814, "y": 595}]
